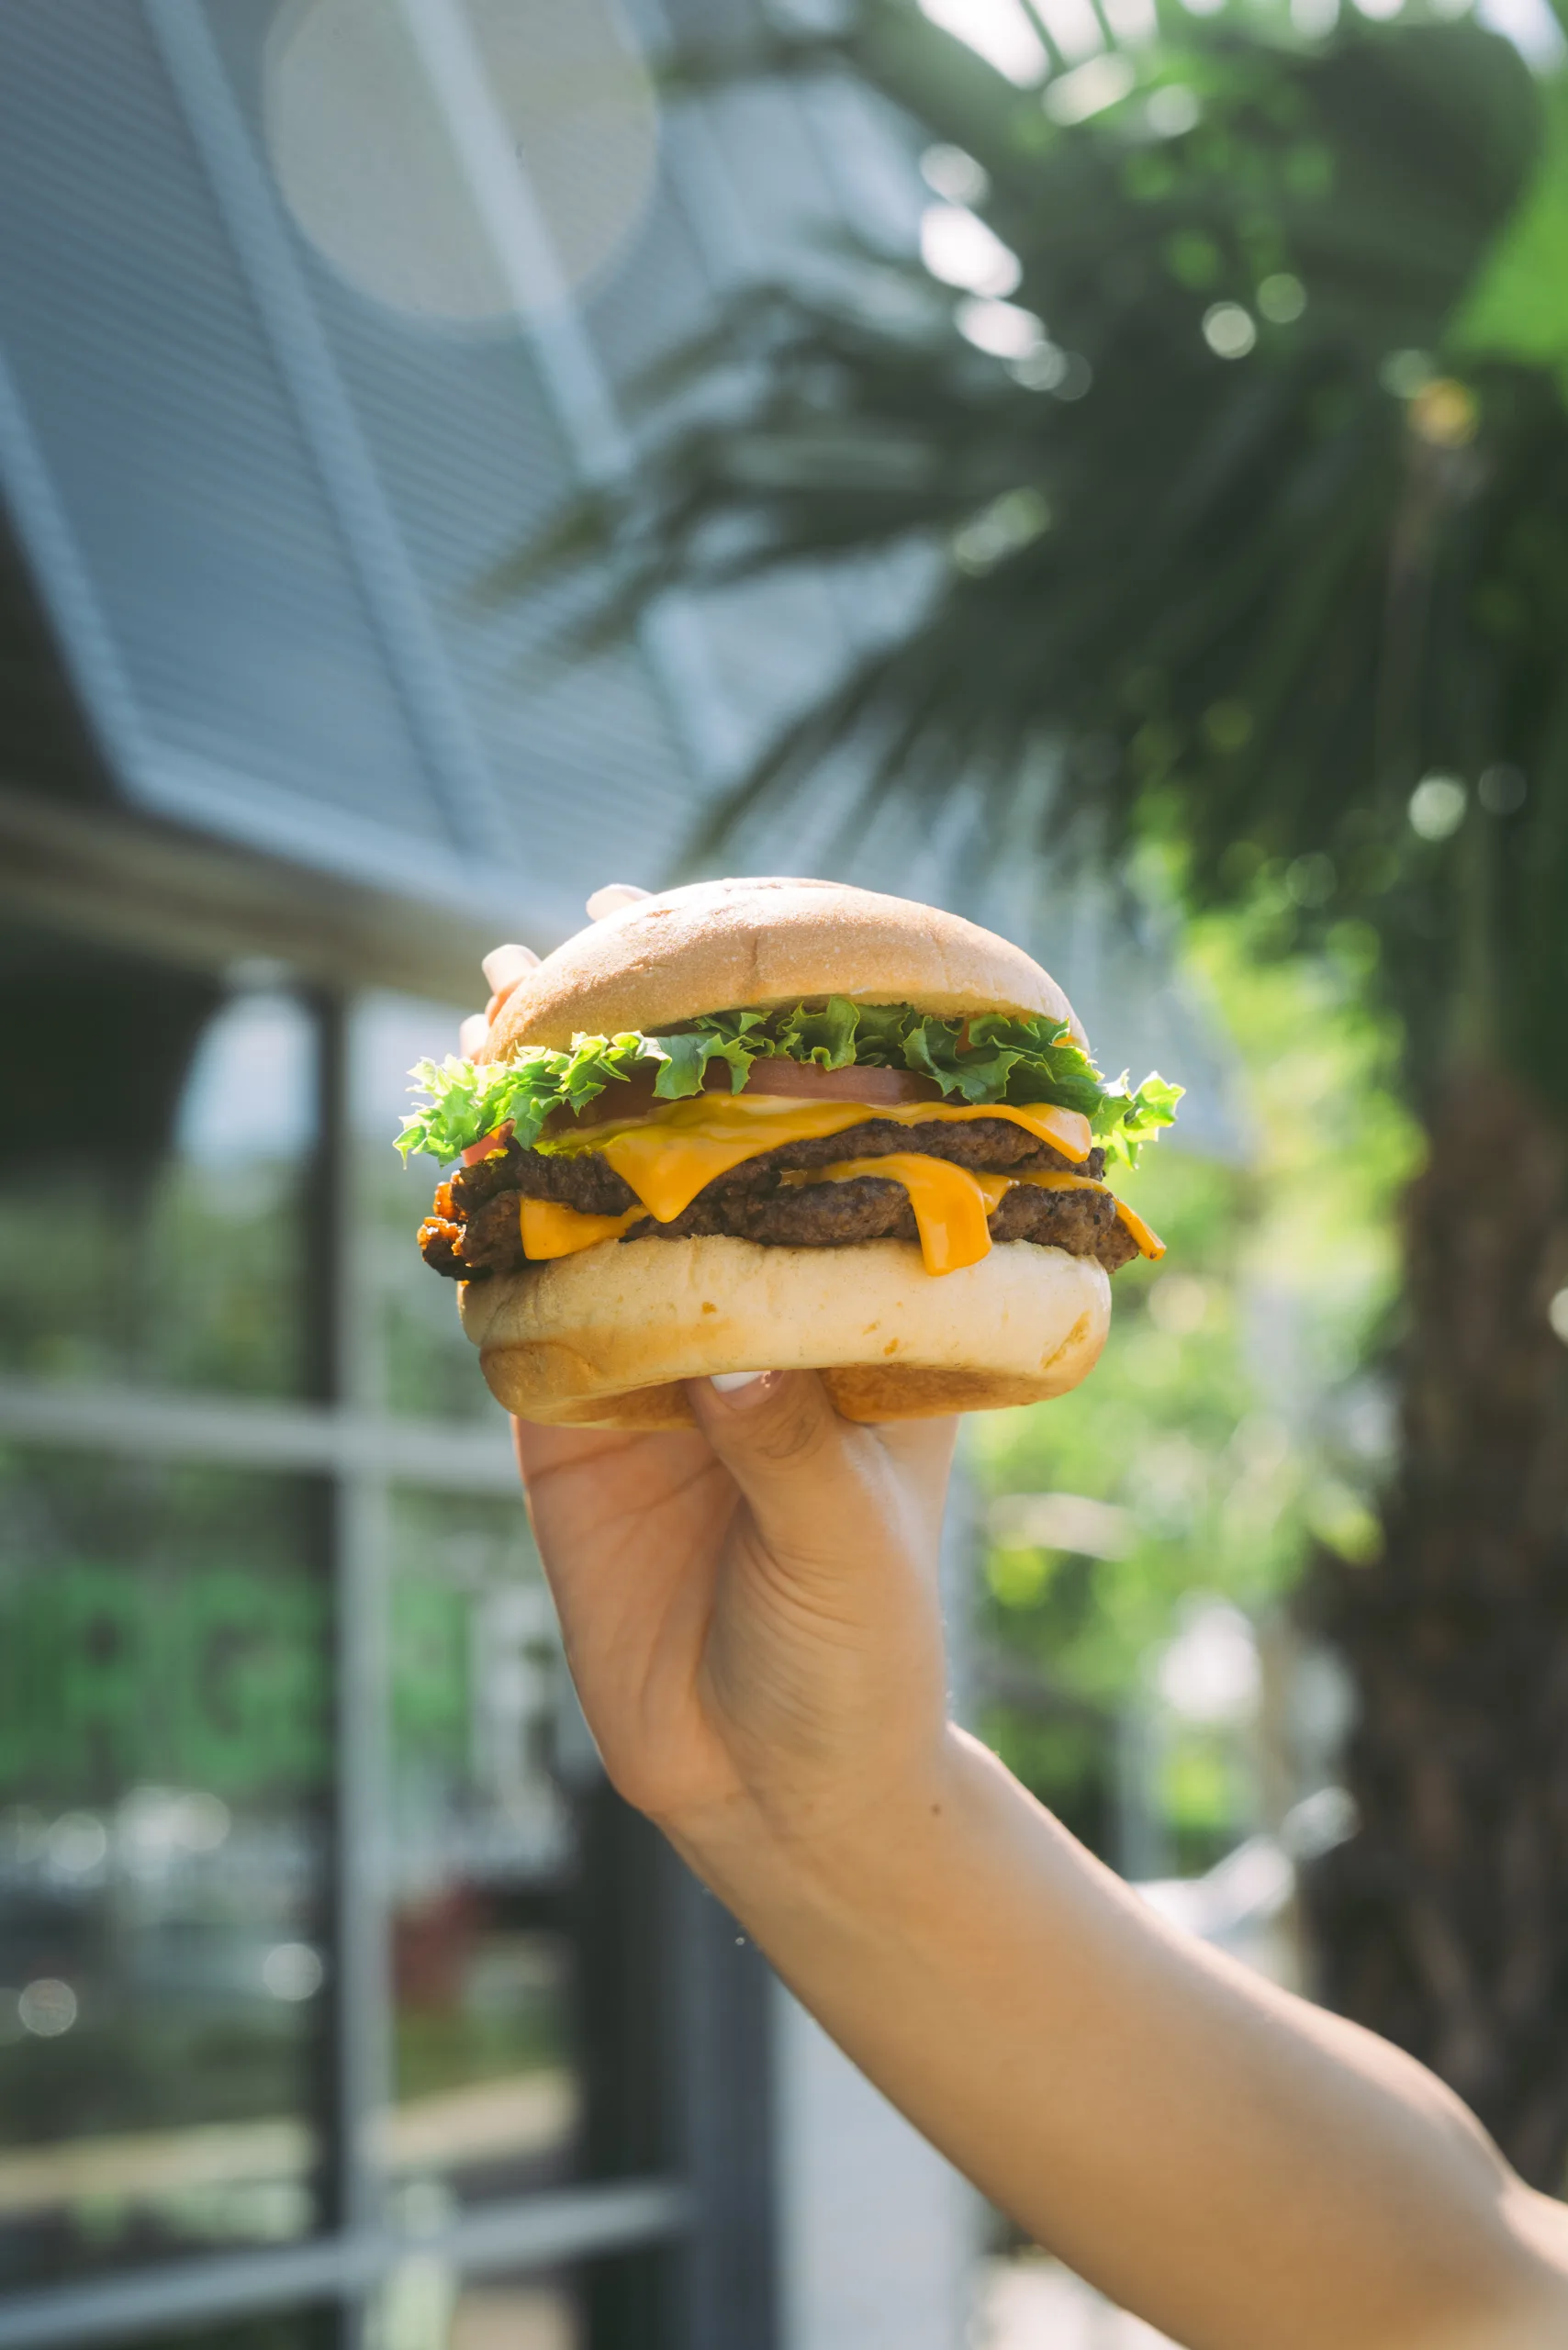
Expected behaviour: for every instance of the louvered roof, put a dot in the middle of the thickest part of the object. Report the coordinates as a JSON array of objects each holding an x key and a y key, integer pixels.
[{"x": 258, "y": 506}]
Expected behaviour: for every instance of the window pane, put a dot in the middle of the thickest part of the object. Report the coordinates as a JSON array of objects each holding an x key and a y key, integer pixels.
[
  {"x": 525, "y": 2315},
  {"x": 486, "y": 2087},
  {"x": 155, "y": 1134},
  {"x": 427, "y": 1366},
  {"x": 164, "y": 1767},
  {"x": 285, "y": 2329},
  {"x": 425, "y": 2305}
]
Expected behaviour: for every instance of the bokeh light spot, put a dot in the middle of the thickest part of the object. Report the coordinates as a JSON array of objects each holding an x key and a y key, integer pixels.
[
  {"x": 1502, "y": 790},
  {"x": 1406, "y": 373},
  {"x": 293, "y": 1971},
  {"x": 377, "y": 182},
  {"x": 1281, "y": 298},
  {"x": 1437, "y": 806},
  {"x": 1229, "y": 330},
  {"x": 47, "y": 2008},
  {"x": 1008, "y": 524},
  {"x": 1003, "y": 328},
  {"x": 1170, "y": 113},
  {"x": 1089, "y": 89},
  {"x": 949, "y": 173},
  {"x": 1001, "y": 31},
  {"x": 1445, "y": 414},
  {"x": 957, "y": 247}
]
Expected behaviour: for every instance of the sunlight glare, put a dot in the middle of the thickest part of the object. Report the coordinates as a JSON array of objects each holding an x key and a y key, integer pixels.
[
  {"x": 1074, "y": 28},
  {"x": 1089, "y": 89},
  {"x": 998, "y": 30},
  {"x": 957, "y": 246},
  {"x": 1003, "y": 328}
]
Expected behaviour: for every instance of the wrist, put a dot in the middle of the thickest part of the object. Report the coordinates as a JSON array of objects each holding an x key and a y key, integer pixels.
[{"x": 853, "y": 1846}]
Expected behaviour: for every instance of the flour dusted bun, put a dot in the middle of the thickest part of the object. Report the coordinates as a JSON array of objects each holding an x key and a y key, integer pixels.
[
  {"x": 603, "y": 1338},
  {"x": 751, "y": 944}
]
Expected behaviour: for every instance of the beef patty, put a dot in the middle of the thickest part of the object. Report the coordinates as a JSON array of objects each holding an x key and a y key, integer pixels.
[{"x": 472, "y": 1230}]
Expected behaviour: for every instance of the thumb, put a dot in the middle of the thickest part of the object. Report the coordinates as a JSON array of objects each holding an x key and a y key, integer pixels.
[{"x": 824, "y": 1493}]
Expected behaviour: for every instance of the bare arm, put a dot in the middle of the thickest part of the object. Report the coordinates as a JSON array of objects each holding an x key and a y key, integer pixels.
[{"x": 751, "y": 1617}]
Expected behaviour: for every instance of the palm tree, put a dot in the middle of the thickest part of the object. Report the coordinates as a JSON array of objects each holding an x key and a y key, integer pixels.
[{"x": 1246, "y": 459}]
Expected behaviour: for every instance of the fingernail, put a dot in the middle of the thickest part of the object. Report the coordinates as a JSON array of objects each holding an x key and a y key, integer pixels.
[
  {"x": 504, "y": 966},
  {"x": 472, "y": 1034},
  {"x": 612, "y": 898},
  {"x": 733, "y": 1383}
]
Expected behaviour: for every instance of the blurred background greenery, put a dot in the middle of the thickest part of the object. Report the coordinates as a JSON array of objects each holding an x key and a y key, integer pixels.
[
  {"x": 1218, "y": 428},
  {"x": 1230, "y": 1424}
]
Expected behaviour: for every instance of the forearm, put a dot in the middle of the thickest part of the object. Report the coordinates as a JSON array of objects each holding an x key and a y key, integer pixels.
[{"x": 1230, "y": 2162}]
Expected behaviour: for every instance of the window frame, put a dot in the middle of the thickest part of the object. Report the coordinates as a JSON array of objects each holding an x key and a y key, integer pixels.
[{"x": 692, "y": 2035}]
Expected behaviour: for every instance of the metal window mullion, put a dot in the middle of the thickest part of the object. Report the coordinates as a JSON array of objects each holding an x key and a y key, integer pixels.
[
  {"x": 549, "y": 2230},
  {"x": 361, "y": 2051},
  {"x": 258, "y": 1433},
  {"x": 361, "y": 2056}
]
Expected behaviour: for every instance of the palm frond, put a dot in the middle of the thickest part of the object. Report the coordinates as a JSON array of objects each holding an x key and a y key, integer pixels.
[{"x": 1269, "y": 566}]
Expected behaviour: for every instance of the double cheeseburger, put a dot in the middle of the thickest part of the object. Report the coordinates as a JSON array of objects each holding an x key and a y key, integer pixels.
[{"x": 781, "y": 1124}]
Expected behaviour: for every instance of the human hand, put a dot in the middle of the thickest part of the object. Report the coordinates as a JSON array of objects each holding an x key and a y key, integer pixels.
[{"x": 750, "y": 1612}]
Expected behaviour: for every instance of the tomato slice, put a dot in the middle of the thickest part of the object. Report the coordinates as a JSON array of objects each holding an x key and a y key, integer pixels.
[{"x": 498, "y": 1141}]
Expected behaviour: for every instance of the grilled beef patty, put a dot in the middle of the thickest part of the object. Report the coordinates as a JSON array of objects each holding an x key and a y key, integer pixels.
[{"x": 472, "y": 1230}]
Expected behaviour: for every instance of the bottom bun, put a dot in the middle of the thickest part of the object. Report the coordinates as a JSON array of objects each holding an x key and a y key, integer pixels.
[{"x": 603, "y": 1338}]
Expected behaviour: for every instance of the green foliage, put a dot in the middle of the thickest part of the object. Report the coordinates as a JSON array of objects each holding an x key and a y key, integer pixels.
[
  {"x": 188, "y": 1277},
  {"x": 1294, "y": 446},
  {"x": 1517, "y": 307},
  {"x": 990, "y": 1058},
  {"x": 1206, "y": 1421}
]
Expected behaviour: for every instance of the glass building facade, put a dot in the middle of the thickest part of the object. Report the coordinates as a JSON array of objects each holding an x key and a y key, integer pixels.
[{"x": 340, "y": 1999}]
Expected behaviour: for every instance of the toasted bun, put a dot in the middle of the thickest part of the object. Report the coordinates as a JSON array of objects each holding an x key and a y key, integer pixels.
[
  {"x": 758, "y": 943},
  {"x": 602, "y": 1339}
]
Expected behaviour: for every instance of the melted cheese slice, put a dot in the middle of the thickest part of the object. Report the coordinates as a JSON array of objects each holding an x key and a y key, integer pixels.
[
  {"x": 952, "y": 1210},
  {"x": 950, "y": 1204},
  {"x": 953, "y": 1206},
  {"x": 668, "y": 1157},
  {"x": 551, "y": 1230}
]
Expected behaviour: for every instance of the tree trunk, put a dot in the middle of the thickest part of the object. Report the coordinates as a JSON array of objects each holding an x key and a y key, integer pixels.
[{"x": 1443, "y": 1923}]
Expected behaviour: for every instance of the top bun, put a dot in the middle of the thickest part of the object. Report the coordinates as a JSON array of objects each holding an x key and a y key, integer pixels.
[{"x": 752, "y": 944}]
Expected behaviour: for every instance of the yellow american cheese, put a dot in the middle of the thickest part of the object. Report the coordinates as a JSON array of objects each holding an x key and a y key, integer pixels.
[
  {"x": 551, "y": 1230},
  {"x": 670, "y": 1156},
  {"x": 950, "y": 1204},
  {"x": 952, "y": 1207}
]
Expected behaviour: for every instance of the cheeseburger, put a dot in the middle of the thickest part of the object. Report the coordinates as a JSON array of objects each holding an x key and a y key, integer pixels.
[{"x": 762, "y": 1124}]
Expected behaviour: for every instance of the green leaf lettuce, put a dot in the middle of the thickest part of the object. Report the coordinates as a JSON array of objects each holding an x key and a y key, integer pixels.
[{"x": 995, "y": 1057}]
